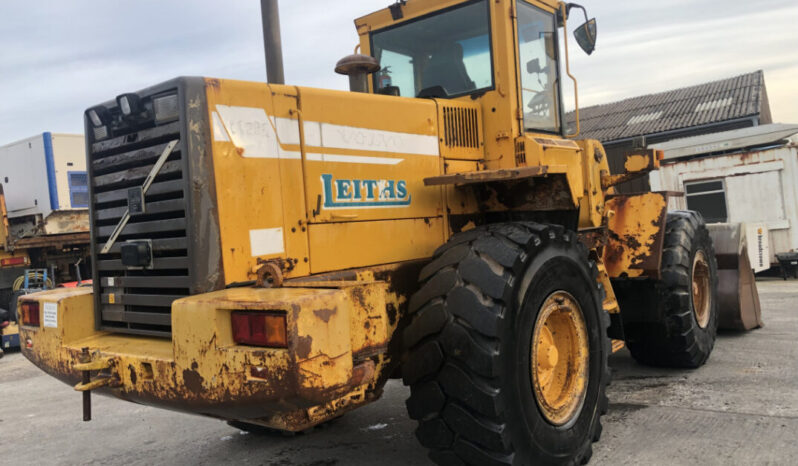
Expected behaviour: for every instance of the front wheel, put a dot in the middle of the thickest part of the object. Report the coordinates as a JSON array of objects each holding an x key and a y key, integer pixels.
[
  {"x": 682, "y": 332},
  {"x": 507, "y": 349}
]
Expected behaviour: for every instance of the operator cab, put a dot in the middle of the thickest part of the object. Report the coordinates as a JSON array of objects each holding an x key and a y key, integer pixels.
[{"x": 434, "y": 49}]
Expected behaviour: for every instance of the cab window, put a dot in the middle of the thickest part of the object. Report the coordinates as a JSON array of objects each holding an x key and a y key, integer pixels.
[
  {"x": 447, "y": 54},
  {"x": 537, "y": 51}
]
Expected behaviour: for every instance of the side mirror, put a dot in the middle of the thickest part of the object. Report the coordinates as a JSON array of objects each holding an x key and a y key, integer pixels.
[{"x": 585, "y": 36}]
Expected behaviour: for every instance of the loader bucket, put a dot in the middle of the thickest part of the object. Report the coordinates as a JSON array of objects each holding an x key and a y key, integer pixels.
[{"x": 738, "y": 300}]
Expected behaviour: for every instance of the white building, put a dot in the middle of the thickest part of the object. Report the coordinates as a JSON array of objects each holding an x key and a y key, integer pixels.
[
  {"x": 44, "y": 173},
  {"x": 747, "y": 176}
]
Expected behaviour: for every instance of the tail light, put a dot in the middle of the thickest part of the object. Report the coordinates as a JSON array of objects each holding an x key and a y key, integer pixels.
[
  {"x": 259, "y": 329},
  {"x": 9, "y": 261},
  {"x": 29, "y": 311}
]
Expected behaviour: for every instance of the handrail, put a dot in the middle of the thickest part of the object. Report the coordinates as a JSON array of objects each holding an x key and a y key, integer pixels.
[{"x": 564, "y": 13}]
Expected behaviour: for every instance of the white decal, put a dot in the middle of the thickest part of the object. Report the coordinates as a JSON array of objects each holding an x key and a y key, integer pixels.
[
  {"x": 266, "y": 242},
  {"x": 250, "y": 130},
  {"x": 262, "y": 136},
  {"x": 219, "y": 133},
  {"x": 51, "y": 315},
  {"x": 287, "y": 130},
  {"x": 348, "y": 137},
  {"x": 313, "y": 134}
]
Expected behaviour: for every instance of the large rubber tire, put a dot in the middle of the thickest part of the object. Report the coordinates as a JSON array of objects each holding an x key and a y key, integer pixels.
[
  {"x": 468, "y": 347},
  {"x": 677, "y": 339}
]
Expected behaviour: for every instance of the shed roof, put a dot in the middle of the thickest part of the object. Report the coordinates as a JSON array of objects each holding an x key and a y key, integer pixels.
[
  {"x": 714, "y": 102},
  {"x": 728, "y": 141}
]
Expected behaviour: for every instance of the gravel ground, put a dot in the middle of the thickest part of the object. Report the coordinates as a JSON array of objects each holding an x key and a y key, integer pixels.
[{"x": 741, "y": 408}]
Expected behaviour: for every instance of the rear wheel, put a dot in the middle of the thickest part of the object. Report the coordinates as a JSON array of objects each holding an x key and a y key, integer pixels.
[
  {"x": 507, "y": 349},
  {"x": 685, "y": 299}
]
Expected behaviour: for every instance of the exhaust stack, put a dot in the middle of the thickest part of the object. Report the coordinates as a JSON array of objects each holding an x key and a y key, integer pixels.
[{"x": 272, "y": 41}]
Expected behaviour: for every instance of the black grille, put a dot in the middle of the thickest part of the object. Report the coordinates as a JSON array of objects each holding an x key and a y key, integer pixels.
[{"x": 139, "y": 300}]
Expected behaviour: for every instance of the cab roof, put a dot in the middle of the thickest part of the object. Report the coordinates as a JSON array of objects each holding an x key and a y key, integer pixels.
[{"x": 416, "y": 8}]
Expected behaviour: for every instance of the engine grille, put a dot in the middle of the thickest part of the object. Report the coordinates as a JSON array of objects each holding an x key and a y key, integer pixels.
[
  {"x": 139, "y": 300},
  {"x": 461, "y": 130},
  {"x": 461, "y": 127}
]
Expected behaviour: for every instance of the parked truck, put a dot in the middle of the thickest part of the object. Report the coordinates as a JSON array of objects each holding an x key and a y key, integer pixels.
[
  {"x": 271, "y": 255},
  {"x": 44, "y": 221}
]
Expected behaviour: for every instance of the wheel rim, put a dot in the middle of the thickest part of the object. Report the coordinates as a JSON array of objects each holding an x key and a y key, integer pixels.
[
  {"x": 560, "y": 358},
  {"x": 701, "y": 294}
]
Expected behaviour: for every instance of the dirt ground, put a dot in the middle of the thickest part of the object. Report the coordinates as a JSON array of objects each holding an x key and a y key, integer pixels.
[{"x": 741, "y": 408}]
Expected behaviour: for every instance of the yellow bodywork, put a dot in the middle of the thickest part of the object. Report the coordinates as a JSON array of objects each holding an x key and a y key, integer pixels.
[
  {"x": 636, "y": 224},
  {"x": 341, "y": 197}
]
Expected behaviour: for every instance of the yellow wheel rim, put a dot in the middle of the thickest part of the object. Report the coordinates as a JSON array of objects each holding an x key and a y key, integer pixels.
[
  {"x": 560, "y": 358},
  {"x": 701, "y": 294}
]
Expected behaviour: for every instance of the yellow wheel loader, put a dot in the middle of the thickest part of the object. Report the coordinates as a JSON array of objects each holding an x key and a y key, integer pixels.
[{"x": 270, "y": 255}]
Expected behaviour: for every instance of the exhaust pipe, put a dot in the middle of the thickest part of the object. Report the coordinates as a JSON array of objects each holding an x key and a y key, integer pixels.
[{"x": 272, "y": 42}]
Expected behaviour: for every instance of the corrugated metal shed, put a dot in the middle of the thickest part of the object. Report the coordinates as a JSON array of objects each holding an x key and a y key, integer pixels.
[{"x": 705, "y": 104}]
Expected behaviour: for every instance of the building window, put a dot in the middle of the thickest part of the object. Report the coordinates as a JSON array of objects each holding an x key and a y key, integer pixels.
[
  {"x": 709, "y": 199},
  {"x": 78, "y": 189}
]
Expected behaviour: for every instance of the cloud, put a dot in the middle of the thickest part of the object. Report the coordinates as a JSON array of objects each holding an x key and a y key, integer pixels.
[
  {"x": 59, "y": 60},
  {"x": 691, "y": 43}
]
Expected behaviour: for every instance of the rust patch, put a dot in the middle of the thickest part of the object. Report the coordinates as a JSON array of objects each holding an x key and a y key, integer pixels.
[
  {"x": 192, "y": 380},
  {"x": 213, "y": 84},
  {"x": 393, "y": 313},
  {"x": 133, "y": 377},
  {"x": 324, "y": 314},
  {"x": 632, "y": 242},
  {"x": 636, "y": 234},
  {"x": 303, "y": 346},
  {"x": 362, "y": 373},
  {"x": 358, "y": 296}
]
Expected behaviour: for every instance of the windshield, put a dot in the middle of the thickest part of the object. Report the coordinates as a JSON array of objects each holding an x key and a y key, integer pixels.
[
  {"x": 444, "y": 55},
  {"x": 537, "y": 52}
]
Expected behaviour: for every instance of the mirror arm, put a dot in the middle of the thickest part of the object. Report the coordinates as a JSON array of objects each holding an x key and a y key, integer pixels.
[
  {"x": 563, "y": 9},
  {"x": 568, "y": 7}
]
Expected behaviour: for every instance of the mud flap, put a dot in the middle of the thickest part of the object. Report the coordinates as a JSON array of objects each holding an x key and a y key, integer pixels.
[{"x": 738, "y": 299}]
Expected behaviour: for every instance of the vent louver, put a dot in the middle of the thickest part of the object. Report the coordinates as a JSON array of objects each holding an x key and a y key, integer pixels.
[{"x": 461, "y": 127}]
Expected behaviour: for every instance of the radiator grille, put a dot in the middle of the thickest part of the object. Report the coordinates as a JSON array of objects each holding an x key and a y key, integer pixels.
[
  {"x": 461, "y": 127},
  {"x": 139, "y": 300}
]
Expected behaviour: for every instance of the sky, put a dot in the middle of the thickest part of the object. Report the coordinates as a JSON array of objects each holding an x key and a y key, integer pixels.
[{"x": 59, "y": 59}]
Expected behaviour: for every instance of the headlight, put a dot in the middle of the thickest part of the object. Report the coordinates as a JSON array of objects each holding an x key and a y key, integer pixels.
[
  {"x": 165, "y": 108},
  {"x": 129, "y": 104},
  {"x": 98, "y": 116}
]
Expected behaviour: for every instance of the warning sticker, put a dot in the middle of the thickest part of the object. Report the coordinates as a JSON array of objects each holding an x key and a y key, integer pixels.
[{"x": 51, "y": 315}]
